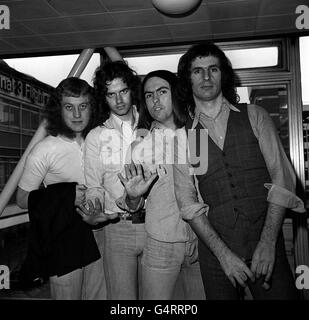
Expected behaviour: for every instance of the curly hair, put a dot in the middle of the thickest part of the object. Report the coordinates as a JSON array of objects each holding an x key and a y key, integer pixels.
[
  {"x": 145, "y": 119},
  {"x": 184, "y": 82},
  {"x": 107, "y": 73},
  {"x": 69, "y": 87}
]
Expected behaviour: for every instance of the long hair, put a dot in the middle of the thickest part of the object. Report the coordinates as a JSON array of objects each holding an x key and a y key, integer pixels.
[
  {"x": 145, "y": 119},
  {"x": 107, "y": 73},
  {"x": 184, "y": 81},
  {"x": 69, "y": 87}
]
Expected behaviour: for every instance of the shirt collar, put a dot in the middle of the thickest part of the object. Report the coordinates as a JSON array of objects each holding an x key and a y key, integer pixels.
[
  {"x": 156, "y": 125},
  {"x": 71, "y": 141},
  {"x": 225, "y": 105},
  {"x": 114, "y": 122}
]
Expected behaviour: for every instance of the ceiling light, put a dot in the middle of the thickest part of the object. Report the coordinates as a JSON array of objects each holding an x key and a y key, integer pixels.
[{"x": 174, "y": 7}]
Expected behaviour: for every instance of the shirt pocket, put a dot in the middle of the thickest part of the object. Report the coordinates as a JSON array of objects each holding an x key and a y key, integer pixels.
[{"x": 111, "y": 157}]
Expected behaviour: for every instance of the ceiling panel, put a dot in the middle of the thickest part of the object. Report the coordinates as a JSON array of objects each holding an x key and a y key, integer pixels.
[
  {"x": 195, "y": 30},
  {"x": 278, "y": 7},
  {"x": 27, "y": 43},
  {"x": 31, "y": 9},
  {"x": 143, "y": 34},
  {"x": 234, "y": 26},
  {"x": 4, "y": 46},
  {"x": 233, "y": 9},
  {"x": 60, "y": 40},
  {"x": 57, "y": 25},
  {"x": 94, "y": 22},
  {"x": 281, "y": 23},
  {"x": 72, "y": 7},
  {"x": 50, "y": 25},
  {"x": 146, "y": 17},
  {"x": 126, "y": 5},
  {"x": 10, "y": 1},
  {"x": 17, "y": 29},
  {"x": 111, "y": 37}
]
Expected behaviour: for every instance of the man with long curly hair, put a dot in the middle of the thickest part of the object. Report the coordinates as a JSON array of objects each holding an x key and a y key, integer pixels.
[
  {"x": 58, "y": 159},
  {"x": 248, "y": 183},
  {"x": 117, "y": 92}
]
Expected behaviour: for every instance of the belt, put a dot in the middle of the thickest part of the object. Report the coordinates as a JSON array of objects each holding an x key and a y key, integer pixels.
[{"x": 136, "y": 217}]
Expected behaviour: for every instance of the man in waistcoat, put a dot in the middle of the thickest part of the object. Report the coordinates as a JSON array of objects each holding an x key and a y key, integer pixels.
[{"x": 247, "y": 185}]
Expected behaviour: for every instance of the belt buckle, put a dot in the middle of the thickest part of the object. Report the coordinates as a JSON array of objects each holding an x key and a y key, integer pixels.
[{"x": 124, "y": 216}]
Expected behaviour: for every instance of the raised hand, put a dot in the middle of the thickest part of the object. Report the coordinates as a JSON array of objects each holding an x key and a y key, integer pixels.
[
  {"x": 135, "y": 183},
  {"x": 94, "y": 214}
]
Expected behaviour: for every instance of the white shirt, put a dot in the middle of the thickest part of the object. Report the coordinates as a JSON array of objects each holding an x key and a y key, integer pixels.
[
  {"x": 106, "y": 147},
  {"x": 53, "y": 160}
]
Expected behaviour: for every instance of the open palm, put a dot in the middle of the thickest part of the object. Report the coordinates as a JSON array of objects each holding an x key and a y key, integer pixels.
[
  {"x": 94, "y": 214},
  {"x": 135, "y": 183}
]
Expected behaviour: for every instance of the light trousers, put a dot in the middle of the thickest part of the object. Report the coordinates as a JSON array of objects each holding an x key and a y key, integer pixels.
[
  {"x": 164, "y": 264},
  {"x": 123, "y": 250}
]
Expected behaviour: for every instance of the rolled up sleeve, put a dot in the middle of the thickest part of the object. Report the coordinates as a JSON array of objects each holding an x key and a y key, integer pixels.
[
  {"x": 186, "y": 194},
  {"x": 284, "y": 198},
  {"x": 283, "y": 179}
]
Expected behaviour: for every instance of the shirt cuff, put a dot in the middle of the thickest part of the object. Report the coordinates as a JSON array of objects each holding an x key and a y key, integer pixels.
[
  {"x": 284, "y": 198},
  {"x": 121, "y": 203},
  {"x": 95, "y": 192}
]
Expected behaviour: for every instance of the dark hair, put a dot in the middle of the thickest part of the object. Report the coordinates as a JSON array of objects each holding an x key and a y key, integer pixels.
[
  {"x": 145, "y": 118},
  {"x": 227, "y": 72},
  {"x": 107, "y": 73},
  {"x": 69, "y": 87}
]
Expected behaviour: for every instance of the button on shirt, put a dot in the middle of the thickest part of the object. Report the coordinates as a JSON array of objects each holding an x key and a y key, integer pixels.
[
  {"x": 106, "y": 147},
  {"x": 53, "y": 160},
  {"x": 282, "y": 184}
]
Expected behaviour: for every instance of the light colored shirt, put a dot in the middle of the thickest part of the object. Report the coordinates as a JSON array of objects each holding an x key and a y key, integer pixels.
[
  {"x": 53, "y": 160},
  {"x": 163, "y": 221},
  {"x": 283, "y": 179},
  {"x": 106, "y": 147}
]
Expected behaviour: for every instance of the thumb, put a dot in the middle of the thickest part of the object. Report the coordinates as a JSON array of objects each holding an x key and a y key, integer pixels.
[
  {"x": 233, "y": 281},
  {"x": 81, "y": 187},
  {"x": 122, "y": 179},
  {"x": 249, "y": 273}
]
